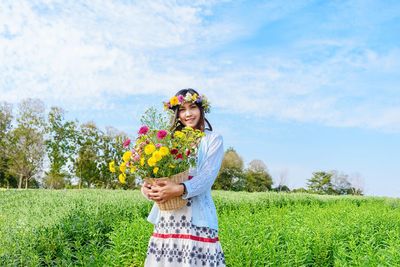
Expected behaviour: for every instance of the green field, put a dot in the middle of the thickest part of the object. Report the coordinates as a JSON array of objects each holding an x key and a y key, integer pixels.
[{"x": 109, "y": 228}]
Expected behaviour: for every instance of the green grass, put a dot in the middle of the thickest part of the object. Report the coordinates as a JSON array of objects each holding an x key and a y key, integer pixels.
[{"x": 109, "y": 228}]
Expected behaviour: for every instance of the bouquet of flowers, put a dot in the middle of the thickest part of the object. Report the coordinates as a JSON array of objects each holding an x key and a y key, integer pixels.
[{"x": 160, "y": 154}]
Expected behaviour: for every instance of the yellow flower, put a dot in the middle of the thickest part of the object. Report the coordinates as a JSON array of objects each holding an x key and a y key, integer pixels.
[
  {"x": 152, "y": 161},
  {"x": 194, "y": 97},
  {"x": 111, "y": 165},
  {"x": 157, "y": 155},
  {"x": 133, "y": 169},
  {"x": 122, "y": 167},
  {"x": 174, "y": 101},
  {"x": 179, "y": 134},
  {"x": 127, "y": 155},
  {"x": 164, "y": 150},
  {"x": 141, "y": 161},
  {"x": 149, "y": 149},
  {"x": 122, "y": 178},
  {"x": 171, "y": 166},
  {"x": 155, "y": 170}
]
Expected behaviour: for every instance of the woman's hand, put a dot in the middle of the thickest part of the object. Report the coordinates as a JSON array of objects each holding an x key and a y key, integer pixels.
[
  {"x": 146, "y": 189},
  {"x": 165, "y": 190}
]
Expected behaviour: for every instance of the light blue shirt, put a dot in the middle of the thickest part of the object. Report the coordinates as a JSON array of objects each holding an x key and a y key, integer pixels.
[{"x": 209, "y": 159}]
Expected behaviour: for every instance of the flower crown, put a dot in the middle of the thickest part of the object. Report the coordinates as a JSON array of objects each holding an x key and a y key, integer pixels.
[{"x": 188, "y": 98}]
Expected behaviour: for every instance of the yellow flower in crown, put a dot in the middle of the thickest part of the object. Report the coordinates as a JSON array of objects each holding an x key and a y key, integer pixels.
[
  {"x": 155, "y": 170},
  {"x": 188, "y": 98},
  {"x": 142, "y": 161},
  {"x": 174, "y": 101},
  {"x": 127, "y": 155},
  {"x": 149, "y": 149},
  {"x": 122, "y": 178},
  {"x": 164, "y": 150},
  {"x": 157, "y": 155},
  {"x": 111, "y": 165},
  {"x": 122, "y": 167},
  {"x": 152, "y": 161},
  {"x": 133, "y": 169}
]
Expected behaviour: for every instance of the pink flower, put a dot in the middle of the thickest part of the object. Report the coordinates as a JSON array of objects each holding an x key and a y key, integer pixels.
[
  {"x": 143, "y": 130},
  {"x": 126, "y": 142},
  {"x": 162, "y": 134},
  {"x": 136, "y": 158},
  {"x": 180, "y": 98},
  {"x": 158, "y": 145}
]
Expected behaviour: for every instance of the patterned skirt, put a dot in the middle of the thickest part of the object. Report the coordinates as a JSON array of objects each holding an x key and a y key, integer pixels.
[{"x": 177, "y": 242}]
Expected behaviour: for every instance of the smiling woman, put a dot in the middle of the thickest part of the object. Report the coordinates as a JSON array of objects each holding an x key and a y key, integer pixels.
[{"x": 188, "y": 236}]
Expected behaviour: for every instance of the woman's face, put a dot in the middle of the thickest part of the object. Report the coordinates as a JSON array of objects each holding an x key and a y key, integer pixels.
[{"x": 189, "y": 114}]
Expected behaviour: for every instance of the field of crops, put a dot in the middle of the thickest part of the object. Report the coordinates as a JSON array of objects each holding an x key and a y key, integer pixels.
[{"x": 109, "y": 228}]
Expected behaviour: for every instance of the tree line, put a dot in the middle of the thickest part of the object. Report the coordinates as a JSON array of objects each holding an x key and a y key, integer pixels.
[
  {"x": 44, "y": 150},
  {"x": 256, "y": 178}
]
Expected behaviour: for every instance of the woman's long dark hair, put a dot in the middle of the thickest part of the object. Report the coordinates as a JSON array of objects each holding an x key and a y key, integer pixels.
[{"x": 177, "y": 125}]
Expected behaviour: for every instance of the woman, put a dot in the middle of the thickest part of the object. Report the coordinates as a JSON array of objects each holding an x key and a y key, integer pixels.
[{"x": 188, "y": 236}]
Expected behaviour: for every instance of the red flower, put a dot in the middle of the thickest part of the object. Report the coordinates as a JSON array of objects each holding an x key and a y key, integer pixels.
[
  {"x": 126, "y": 142},
  {"x": 179, "y": 156},
  {"x": 187, "y": 152},
  {"x": 174, "y": 151},
  {"x": 143, "y": 130},
  {"x": 162, "y": 134}
]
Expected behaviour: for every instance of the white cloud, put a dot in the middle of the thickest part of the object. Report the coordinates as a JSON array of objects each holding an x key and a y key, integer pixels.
[{"x": 87, "y": 54}]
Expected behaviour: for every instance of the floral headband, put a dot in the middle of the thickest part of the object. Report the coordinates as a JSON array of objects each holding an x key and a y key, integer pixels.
[{"x": 188, "y": 98}]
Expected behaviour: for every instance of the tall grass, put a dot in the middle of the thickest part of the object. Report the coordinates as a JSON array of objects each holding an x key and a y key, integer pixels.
[{"x": 109, "y": 228}]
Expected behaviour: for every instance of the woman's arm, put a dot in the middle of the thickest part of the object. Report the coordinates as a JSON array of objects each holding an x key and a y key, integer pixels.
[{"x": 208, "y": 171}]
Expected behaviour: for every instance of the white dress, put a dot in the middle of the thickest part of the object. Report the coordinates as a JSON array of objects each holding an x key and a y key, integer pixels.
[{"x": 177, "y": 242}]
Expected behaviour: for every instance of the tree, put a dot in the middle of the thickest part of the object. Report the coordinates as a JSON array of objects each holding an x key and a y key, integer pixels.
[
  {"x": 230, "y": 176},
  {"x": 332, "y": 183},
  {"x": 26, "y": 143},
  {"x": 257, "y": 177},
  {"x": 60, "y": 146},
  {"x": 6, "y": 179},
  {"x": 357, "y": 184},
  {"x": 86, "y": 163},
  {"x": 340, "y": 183},
  {"x": 282, "y": 181},
  {"x": 321, "y": 183}
]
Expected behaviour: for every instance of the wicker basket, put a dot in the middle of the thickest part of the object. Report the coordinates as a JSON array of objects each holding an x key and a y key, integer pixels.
[{"x": 176, "y": 202}]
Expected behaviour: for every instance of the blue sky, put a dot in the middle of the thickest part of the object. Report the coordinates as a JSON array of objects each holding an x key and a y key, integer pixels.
[{"x": 303, "y": 86}]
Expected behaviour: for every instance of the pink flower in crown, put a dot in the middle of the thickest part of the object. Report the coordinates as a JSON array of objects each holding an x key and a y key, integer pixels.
[
  {"x": 126, "y": 142},
  {"x": 136, "y": 158},
  {"x": 162, "y": 134},
  {"x": 158, "y": 145},
  {"x": 180, "y": 98},
  {"x": 143, "y": 130}
]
